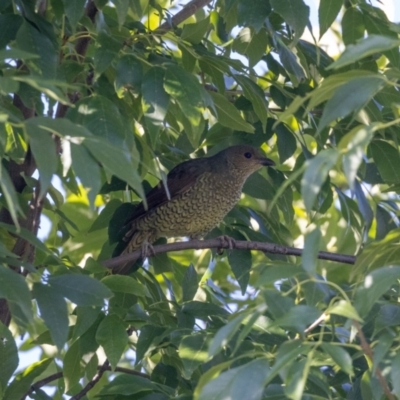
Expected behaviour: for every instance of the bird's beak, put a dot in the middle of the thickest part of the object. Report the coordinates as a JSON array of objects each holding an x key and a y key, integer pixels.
[{"x": 267, "y": 162}]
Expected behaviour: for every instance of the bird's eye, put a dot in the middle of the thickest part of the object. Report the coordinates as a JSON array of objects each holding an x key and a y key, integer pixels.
[{"x": 247, "y": 155}]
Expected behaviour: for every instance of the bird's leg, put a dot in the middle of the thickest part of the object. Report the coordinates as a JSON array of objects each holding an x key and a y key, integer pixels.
[
  {"x": 226, "y": 239},
  {"x": 147, "y": 249}
]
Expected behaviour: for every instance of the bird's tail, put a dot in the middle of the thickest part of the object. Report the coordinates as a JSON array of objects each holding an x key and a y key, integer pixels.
[{"x": 132, "y": 241}]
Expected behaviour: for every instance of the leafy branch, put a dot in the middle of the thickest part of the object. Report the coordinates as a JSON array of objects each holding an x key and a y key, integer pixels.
[{"x": 102, "y": 368}]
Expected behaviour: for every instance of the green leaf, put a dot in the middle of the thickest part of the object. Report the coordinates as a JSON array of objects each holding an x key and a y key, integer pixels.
[
  {"x": 193, "y": 352},
  {"x": 194, "y": 33},
  {"x": 129, "y": 72},
  {"x": 345, "y": 309},
  {"x": 74, "y": 10},
  {"x": 255, "y": 94},
  {"x": 8, "y": 191},
  {"x": 122, "y": 7},
  {"x": 253, "y": 13},
  {"x": 244, "y": 382},
  {"x": 353, "y": 27},
  {"x": 294, "y": 12},
  {"x": 378, "y": 24},
  {"x": 387, "y": 159},
  {"x": 374, "y": 286},
  {"x": 276, "y": 273},
  {"x": 251, "y": 44},
  {"x": 150, "y": 336},
  {"x": 105, "y": 54},
  {"x": 72, "y": 366},
  {"x": 23, "y": 381},
  {"x": 128, "y": 385},
  {"x": 14, "y": 54},
  {"x": 315, "y": 175},
  {"x": 14, "y": 289},
  {"x": 309, "y": 256},
  {"x": 287, "y": 352},
  {"x": 225, "y": 334},
  {"x": 389, "y": 315},
  {"x": 53, "y": 310},
  {"x": 240, "y": 262},
  {"x": 228, "y": 115},
  {"x": 340, "y": 356},
  {"x": 124, "y": 284},
  {"x": 186, "y": 90},
  {"x": 350, "y": 97},
  {"x": 378, "y": 254},
  {"x": 287, "y": 144},
  {"x": 327, "y": 13},
  {"x": 354, "y": 144},
  {"x": 8, "y": 85},
  {"x": 80, "y": 289},
  {"x": 86, "y": 317},
  {"x": 363, "y": 48},
  {"x": 8, "y": 357},
  {"x": 202, "y": 310},
  {"x": 30, "y": 39},
  {"x": 117, "y": 161},
  {"x": 9, "y": 25},
  {"x": 394, "y": 373},
  {"x": 299, "y": 318},
  {"x": 189, "y": 283},
  {"x": 103, "y": 220},
  {"x": 155, "y": 101},
  {"x": 112, "y": 336},
  {"x": 87, "y": 169},
  {"x": 47, "y": 161},
  {"x": 291, "y": 63}
]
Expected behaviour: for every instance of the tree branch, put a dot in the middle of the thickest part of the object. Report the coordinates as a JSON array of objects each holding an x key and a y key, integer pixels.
[
  {"x": 93, "y": 382},
  {"x": 58, "y": 375},
  {"x": 80, "y": 52},
  {"x": 188, "y": 10},
  {"x": 368, "y": 352},
  {"x": 222, "y": 243}
]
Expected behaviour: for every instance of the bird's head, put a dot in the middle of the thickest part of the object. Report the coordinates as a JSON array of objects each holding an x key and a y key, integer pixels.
[{"x": 246, "y": 159}]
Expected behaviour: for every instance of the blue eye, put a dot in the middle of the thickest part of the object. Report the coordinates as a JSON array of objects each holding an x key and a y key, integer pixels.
[{"x": 247, "y": 155}]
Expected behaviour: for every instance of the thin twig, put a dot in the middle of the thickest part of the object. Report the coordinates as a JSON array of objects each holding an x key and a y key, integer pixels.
[
  {"x": 221, "y": 243},
  {"x": 188, "y": 10},
  {"x": 58, "y": 375},
  {"x": 368, "y": 352},
  {"x": 93, "y": 382},
  {"x": 318, "y": 321}
]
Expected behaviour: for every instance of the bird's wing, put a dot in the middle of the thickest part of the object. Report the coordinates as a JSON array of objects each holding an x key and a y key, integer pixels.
[{"x": 180, "y": 179}]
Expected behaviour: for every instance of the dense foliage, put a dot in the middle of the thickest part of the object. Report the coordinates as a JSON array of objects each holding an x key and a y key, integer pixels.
[{"x": 100, "y": 99}]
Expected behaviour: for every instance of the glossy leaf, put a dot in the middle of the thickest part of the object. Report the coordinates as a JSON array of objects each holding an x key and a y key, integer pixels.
[
  {"x": 47, "y": 162},
  {"x": 294, "y": 12},
  {"x": 327, "y": 13},
  {"x": 14, "y": 289},
  {"x": 124, "y": 284},
  {"x": 53, "y": 310},
  {"x": 365, "y": 47},
  {"x": 8, "y": 357},
  {"x": 235, "y": 382},
  {"x": 112, "y": 336},
  {"x": 315, "y": 175},
  {"x": 350, "y": 98},
  {"x": 228, "y": 115},
  {"x": 80, "y": 289},
  {"x": 193, "y": 353}
]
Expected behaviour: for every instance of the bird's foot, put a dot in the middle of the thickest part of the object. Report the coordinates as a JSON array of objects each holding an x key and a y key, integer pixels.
[
  {"x": 147, "y": 250},
  {"x": 226, "y": 239}
]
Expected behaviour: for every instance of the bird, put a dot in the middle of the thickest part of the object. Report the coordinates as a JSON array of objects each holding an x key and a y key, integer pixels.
[{"x": 197, "y": 196}]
